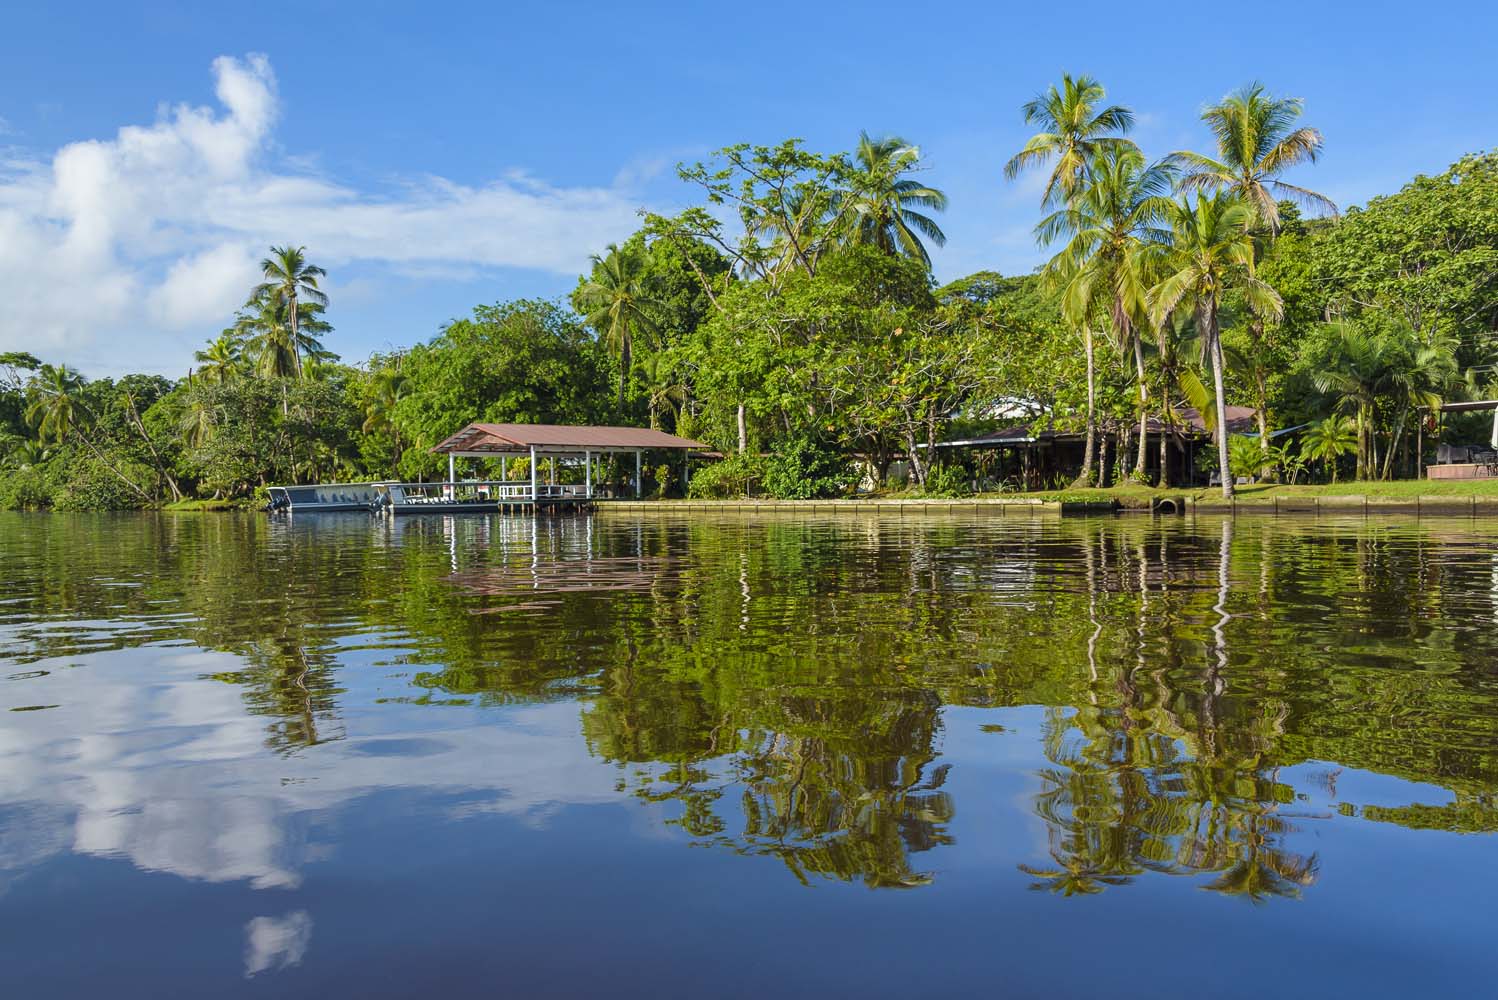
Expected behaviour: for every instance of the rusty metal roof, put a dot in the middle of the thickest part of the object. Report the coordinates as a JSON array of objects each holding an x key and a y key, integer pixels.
[{"x": 508, "y": 438}]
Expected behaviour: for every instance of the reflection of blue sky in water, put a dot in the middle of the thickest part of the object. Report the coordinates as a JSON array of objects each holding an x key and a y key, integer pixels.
[
  {"x": 603, "y": 828},
  {"x": 173, "y": 773}
]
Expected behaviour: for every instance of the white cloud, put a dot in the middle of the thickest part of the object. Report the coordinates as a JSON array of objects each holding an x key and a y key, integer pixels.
[{"x": 118, "y": 251}]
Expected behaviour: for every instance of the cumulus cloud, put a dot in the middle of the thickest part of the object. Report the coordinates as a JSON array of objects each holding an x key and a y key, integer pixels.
[{"x": 123, "y": 251}]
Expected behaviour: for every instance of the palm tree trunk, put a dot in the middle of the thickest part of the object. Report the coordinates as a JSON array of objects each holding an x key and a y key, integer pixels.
[
  {"x": 1394, "y": 441},
  {"x": 296, "y": 347},
  {"x": 1088, "y": 451},
  {"x": 623, "y": 368},
  {"x": 1164, "y": 480},
  {"x": 1214, "y": 340},
  {"x": 1143, "y": 410}
]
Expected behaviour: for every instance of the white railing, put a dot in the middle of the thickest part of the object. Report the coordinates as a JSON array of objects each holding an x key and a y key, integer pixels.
[{"x": 478, "y": 492}]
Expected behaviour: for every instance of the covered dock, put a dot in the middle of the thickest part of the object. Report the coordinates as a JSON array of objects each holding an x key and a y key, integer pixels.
[{"x": 583, "y": 446}]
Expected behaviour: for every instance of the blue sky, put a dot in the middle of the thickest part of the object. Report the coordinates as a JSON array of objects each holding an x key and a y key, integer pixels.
[{"x": 435, "y": 157}]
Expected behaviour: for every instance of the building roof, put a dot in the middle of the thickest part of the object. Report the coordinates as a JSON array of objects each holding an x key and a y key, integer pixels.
[
  {"x": 483, "y": 439},
  {"x": 1241, "y": 419}
]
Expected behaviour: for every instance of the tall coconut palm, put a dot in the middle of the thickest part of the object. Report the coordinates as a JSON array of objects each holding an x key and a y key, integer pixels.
[
  {"x": 1074, "y": 129},
  {"x": 1114, "y": 229},
  {"x": 1211, "y": 252},
  {"x": 292, "y": 281},
  {"x": 879, "y": 206},
  {"x": 619, "y": 303},
  {"x": 223, "y": 358},
  {"x": 1258, "y": 139},
  {"x": 272, "y": 345}
]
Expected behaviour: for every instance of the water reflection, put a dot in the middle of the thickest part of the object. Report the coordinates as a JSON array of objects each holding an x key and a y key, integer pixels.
[{"x": 222, "y": 694}]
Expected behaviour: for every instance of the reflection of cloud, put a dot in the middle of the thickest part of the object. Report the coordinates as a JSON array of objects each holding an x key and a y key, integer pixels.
[
  {"x": 272, "y": 943},
  {"x": 170, "y": 771}
]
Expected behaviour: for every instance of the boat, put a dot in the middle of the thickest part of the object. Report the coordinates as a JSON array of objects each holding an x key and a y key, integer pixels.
[{"x": 323, "y": 497}]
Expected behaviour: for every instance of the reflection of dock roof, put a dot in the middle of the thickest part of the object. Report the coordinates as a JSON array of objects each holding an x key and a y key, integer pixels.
[{"x": 510, "y": 439}]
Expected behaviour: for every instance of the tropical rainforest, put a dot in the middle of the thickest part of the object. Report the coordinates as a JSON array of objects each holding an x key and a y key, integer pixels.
[{"x": 790, "y": 319}]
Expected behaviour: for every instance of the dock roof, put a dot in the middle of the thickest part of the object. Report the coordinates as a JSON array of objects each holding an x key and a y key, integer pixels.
[{"x": 505, "y": 439}]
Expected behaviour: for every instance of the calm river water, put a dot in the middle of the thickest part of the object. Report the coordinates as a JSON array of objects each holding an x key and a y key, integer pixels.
[{"x": 760, "y": 757}]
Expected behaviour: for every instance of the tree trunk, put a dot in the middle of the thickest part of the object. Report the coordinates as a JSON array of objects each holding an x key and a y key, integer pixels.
[
  {"x": 743, "y": 430},
  {"x": 624, "y": 346},
  {"x": 1139, "y": 464},
  {"x": 1394, "y": 442},
  {"x": 151, "y": 445},
  {"x": 1261, "y": 381},
  {"x": 1088, "y": 451},
  {"x": 1164, "y": 480},
  {"x": 1214, "y": 341}
]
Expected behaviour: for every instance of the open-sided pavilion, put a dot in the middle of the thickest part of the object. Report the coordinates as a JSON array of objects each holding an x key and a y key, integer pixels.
[{"x": 559, "y": 441}]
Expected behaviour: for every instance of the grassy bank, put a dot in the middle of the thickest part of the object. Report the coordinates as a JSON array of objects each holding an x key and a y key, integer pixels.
[
  {"x": 1140, "y": 496},
  {"x": 194, "y": 504}
]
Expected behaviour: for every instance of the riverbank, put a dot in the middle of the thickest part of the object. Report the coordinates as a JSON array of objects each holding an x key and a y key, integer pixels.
[{"x": 1413, "y": 496}]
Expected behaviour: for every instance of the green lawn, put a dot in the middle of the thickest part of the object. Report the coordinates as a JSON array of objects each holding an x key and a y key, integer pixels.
[{"x": 1138, "y": 496}]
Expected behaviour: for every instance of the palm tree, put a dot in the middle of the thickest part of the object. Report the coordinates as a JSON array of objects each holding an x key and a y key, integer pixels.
[
  {"x": 1115, "y": 226},
  {"x": 272, "y": 345},
  {"x": 1423, "y": 376},
  {"x": 618, "y": 302},
  {"x": 199, "y": 421},
  {"x": 289, "y": 279},
  {"x": 223, "y": 358},
  {"x": 1073, "y": 131},
  {"x": 56, "y": 408},
  {"x": 58, "y": 411},
  {"x": 1328, "y": 440},
  {"x": 386, "y": 388},
  {"x": 1257, "y": 140},
  {"x": 28, "y": 454},
  {"x": 1211, "y": 251},
  {"x": 879, "y": 206},
  {"x": 1359, "y": 374},
  {"x": 665, "y": 392}
]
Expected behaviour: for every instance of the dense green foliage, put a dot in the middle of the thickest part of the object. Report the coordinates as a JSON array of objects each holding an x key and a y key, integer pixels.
[{"x": 792, "y": 313}]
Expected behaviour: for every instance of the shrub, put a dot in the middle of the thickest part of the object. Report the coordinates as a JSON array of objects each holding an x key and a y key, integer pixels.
[
  {"x": 24, "y": 489},
  {"x": 90, "y": 486},
  {"x": 946, "y": 481},
  {"x": 732, "y": 477},
  {"x": 804, "y": 468}
]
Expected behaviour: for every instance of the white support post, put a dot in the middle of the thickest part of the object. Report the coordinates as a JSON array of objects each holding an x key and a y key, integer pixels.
[
  {"x": 639, "y": 485},
  {"x": 450, "y": 489},
  {"x": 588, "y": 475},
  {"x": 533, "y": 473},
  {"x": 551, "y": 471}
]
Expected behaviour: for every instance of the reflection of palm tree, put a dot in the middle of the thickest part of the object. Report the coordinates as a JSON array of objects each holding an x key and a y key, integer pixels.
[{"x": 1074, "y": 875}]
